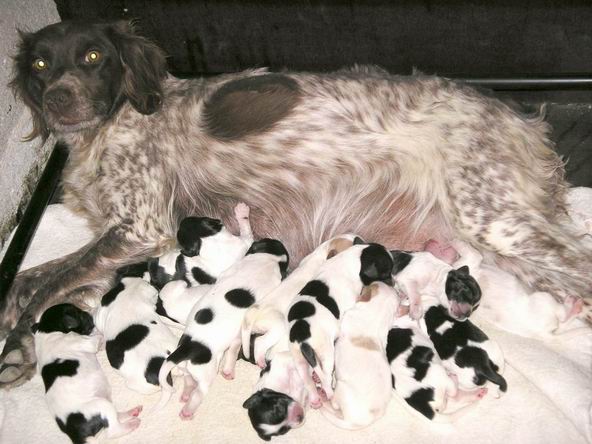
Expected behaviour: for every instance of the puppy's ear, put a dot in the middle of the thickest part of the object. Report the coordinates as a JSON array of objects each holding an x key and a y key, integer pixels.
[
  {"x": 463, "y": 270},
  {"x": 35, "y": 327},
  {"x": 28, "y": 89},
  {"x": 144, "y": 66},
  {"x": 366, "y": 294},
  {"x": 358, "y": 240},
  {"x": 252, "y": 401}
]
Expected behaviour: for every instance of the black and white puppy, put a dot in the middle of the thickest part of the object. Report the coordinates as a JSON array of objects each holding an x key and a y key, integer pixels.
[
  {"x": 206, "y": 249},
  {"x": 419, "y": 377},
  {"x": 279, "y": 400},
  {"x": 315, "y": 313},
  {"x": 76, "y": 389},
  {"x": 213, "y": 326},
  {"x": 362, "y": 373},
  {"x": 137, "y": 341},
  {"x": 422, "y": 274},
  {"x": 465, "y": 350},
  {"x": 177, "y": 299},
  {"x": 267, "y": 319}
]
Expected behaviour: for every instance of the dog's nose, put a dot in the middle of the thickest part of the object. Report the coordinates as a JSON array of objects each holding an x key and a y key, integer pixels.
[{"x": 58, "y": 99}]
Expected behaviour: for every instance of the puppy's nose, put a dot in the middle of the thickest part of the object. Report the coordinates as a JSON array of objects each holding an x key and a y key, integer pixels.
[{"x": 58, "y": 99}]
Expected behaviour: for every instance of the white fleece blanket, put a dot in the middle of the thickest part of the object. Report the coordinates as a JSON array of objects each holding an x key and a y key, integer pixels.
[{"x": 548, "y": 400}]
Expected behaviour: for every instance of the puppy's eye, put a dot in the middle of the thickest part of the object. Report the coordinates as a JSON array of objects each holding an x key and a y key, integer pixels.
[
  {"x": 93, "y": 56},
  {"x": 40, "y": 64}
]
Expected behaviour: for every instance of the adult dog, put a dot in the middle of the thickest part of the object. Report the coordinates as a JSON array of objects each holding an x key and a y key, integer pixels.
[{"x": 394, "y": 159}]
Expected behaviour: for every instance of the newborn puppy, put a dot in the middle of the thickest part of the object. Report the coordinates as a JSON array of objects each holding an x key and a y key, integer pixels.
[
  {"x": 267, "y": 319},
  {"x": 137, "y": 341},
  {"x": 422, "y": 274},
  {"x": 419, "y": 376},
  {"x": 465, "y": 350},
  {"x": 507, "y": 303},
  {"x": 76, "y": 390},
  {"x": 213, "y": 326},
  {"x": 279, "y": 400},
  {"x": 208, "y": 248},
  {"x": 177, "y": 299},
  {"x": 315, "y": 313},
  {"x": 362, "y": 373}
]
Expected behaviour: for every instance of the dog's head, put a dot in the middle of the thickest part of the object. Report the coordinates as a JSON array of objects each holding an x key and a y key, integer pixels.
[
  {"x": 273, "y": 413},
  {"x": 376, "y": 264},
  {"x": 193, "y": 229},
  {"x": 275, "y": 247},
  {"x": 463, "y": 293},
  {"x": 74, "y": 75},
  {"x": 64, "y": 318}
]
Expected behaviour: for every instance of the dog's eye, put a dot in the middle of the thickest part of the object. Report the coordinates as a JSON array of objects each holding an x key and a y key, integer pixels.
[
  {"x": 40, "y": 64},
  {"x": 92, "y": 56}
]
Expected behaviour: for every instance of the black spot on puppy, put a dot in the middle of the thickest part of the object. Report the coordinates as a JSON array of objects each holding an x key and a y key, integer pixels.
[
  {"x": 462, "y": 287},
  {"x": 240, "y": 298},
  {"x": 112, "y": 294},
  {"x": 202, "y": 277},
  {"x": 133, "y": 270},
  {"x": 300, "y": 331},
  {"x": 320, "y": 291},
  {"x": 204, "y": 316},
  {"x": 419, "y": 360},
  {"x": 400, "y": 260},
  {"x": 249, "y": 105},
  {"x": 124, "y": 341},
  {"x": 376, "y": 264},
  {"x": 309, "y": 354},
  {"x": 192, "y": 230},
  {"x": 152, "y": 370},
  {"x": 50, "y": 372},
  {"x": 189, "y": 350},
  {"x": 65, "y": 318},
  {"x": 398, "y": 340},
  {"x": 301, "y": 310},
  {"x": 485, "y": 369},
  {"x": 78, "y": 428},
  {"x": 268, "y": 408},
  {"x": 420, "y": 401}
]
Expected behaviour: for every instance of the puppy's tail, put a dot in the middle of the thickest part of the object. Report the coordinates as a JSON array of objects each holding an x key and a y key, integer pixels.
[
  {"x": 165, "y": 382},
  {"x": 248, "y": 322}
]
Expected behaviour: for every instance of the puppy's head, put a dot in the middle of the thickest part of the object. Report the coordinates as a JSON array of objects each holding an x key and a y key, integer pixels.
[
  {"x": 275, "y": 247},
  {"x": 463, "y": 293},
  {"x": 64, "y": 318},
  {"x": 376, "y": 264},
  {"x": 193, "y": 229},
  {"x": 273, "y": 413},
  {"x": 74, "y": 75}
]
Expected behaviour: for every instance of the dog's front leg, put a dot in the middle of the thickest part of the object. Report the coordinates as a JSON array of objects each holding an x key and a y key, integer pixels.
[{"x": 81, "y": 279}]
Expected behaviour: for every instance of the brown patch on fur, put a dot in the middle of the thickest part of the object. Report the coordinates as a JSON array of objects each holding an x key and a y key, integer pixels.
[
  {"x": 249, "y": 105},
  {"x": 337, "y": 246},
  {"x": 366, "y": 343},
  {"x": 368, "y": 292}
]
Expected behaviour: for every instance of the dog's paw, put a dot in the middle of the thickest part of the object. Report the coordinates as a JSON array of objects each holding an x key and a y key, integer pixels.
[
  {"x": 228, "y": 374},
  {"x": 241, "y": 211},
  {"x": 17, "y": 361}
]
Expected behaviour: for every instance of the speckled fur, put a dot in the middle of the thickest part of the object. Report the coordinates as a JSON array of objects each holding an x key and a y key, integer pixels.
[{"x": 395, "y": 159}]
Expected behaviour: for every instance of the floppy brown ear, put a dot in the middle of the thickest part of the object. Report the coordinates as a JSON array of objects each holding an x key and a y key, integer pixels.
[
  {"x": 367, "y": 292},
  {"x": 25, "y": 88},
  {"x": 144, "y": 66}
]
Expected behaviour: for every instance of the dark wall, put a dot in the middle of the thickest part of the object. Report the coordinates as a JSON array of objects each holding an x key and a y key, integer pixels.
[{"x": 447, "y": 37}]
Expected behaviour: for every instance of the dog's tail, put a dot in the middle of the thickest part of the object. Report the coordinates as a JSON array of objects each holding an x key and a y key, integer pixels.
[
  {"x": 165, "y": 382},
  {"x": 249, "y": 320}
]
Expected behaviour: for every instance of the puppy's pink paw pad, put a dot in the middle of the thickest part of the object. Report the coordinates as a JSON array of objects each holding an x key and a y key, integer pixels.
[
  {"x": 185, "y": 415},
  {"x": 136, "y": 410},
  {"x": 482, "y": 392},
  {"x": 242, "y": 210},
  {"x": 228, "y": 375}
]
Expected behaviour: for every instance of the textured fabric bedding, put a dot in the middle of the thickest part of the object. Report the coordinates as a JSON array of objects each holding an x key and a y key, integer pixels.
[{"x": 548, "y": 400}]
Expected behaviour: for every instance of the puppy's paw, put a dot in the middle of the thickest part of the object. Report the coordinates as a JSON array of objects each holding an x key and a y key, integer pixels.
[
  {"x": 242, "y": 211},
  {"x": 415, "y": 311},
  {"x": 17, "y": 361},
  {"x": 228, "y": 374},
  {"x": 185, "y": 414}
]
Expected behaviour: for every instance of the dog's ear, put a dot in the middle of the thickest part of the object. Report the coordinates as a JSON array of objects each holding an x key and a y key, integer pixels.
[
  {"x": 358, "y": 240},
  {"x": 366, "y": 294},
  {"x": 26, "y": 88},
  {"x": 144, "y": 66},
  {"x": 35, "y": 327},
  {"x": 252, "y": 401},
  {"x": 463, "y": 270}
]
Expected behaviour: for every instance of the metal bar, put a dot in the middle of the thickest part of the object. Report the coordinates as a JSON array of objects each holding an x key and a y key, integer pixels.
[
  {"x": 530, "y": 83},
  {"x": 28, "y": 224}
]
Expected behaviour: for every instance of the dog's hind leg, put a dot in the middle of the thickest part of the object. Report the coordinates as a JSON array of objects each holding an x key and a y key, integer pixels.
[{"x": 82, "y": 280}]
